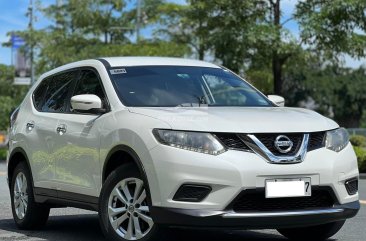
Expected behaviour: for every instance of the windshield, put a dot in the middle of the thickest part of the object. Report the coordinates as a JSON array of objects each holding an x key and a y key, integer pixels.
[{"x": 170, "y": 86}]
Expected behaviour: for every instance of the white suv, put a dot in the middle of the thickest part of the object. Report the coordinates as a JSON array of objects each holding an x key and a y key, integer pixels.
[{"x": 156, "y": 142}]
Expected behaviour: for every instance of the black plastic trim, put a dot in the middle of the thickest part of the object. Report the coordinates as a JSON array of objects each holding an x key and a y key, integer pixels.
[
  {"x": 104, "y": 62},
  {"x": 205, "y": 189},
  {"x": 348, "y": 188},
  {"x": 262, "y": 191},
  {"x": 65, "y": 199},
  {"x": 215, "y": 219}
]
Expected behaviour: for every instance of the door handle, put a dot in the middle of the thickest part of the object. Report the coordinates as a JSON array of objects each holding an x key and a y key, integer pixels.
[
  {"x": 30, "y": 125},
  {"x": 61, "y": 129}
]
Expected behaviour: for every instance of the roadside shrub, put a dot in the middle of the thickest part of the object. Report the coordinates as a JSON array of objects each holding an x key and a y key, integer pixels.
[
  {"x": 2, "y": 154},
  {"x": 358, "y": 140},
  {"x": 361, "y": 158}
]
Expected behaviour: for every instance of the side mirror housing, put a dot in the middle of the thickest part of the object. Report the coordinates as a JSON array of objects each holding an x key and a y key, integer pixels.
[
  {"x": 87, "y": 103},
  {"x": 277, "y": 100}
]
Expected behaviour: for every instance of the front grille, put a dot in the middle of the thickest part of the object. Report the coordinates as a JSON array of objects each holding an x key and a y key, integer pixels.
[
  {"x": 269, "y": 139},
  {"x": 316, "y": 140},
  {"x": 232, "y": 141},
  {"x": 254, "y": 201}
]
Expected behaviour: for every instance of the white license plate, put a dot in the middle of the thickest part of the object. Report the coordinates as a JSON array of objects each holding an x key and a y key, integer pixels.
[{"x": 296, "y": 187}]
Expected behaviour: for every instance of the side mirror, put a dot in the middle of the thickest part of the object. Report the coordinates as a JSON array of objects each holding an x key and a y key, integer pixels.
[
  {"x": 87, "y": 104},
  {"x": 277, "y": 100}
]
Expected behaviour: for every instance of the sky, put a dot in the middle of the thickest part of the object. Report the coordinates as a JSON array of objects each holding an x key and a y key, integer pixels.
[{"x": 12, "y": 17}]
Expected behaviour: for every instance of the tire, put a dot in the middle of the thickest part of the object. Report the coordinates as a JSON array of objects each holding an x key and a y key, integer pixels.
[
  {"x": 314, "y": 233},
  {"x": 128, "y": 214},
  {"x": 27, "y": 213}
]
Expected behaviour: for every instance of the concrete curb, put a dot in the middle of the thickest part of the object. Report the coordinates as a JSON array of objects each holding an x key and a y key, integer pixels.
[{"x": 362, "y": 175}]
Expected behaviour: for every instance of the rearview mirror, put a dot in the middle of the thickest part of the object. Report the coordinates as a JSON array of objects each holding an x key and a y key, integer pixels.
[
  {"x": 87, "y": 104},
  {"x": 277, "y": 100}
]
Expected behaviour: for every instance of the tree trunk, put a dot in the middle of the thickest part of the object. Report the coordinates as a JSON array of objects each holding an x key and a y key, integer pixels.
[
  {"x": 201, "y": 50},
  {"x": 276, "y": 60},
  {"x": 277, "y": 73},
  {"x": 106, "y": 37}
]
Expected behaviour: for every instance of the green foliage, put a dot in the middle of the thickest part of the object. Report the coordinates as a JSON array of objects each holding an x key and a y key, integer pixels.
[
  {"x": 340, "y": 92},
  {"x": 333, "y": 26},
  {"x": 10, "y": 95},
  {"x": 361, "y": 158},
  {"x": 3, "y": 153},
  {"x": 358, "y": 140}
]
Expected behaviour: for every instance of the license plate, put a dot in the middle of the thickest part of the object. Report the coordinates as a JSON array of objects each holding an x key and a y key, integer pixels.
[{"x": 296, "y": 187}]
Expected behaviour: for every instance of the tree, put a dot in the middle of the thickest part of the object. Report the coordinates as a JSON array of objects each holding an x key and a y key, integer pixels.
[
  {"x": 251, "y": 35},
  {"x": 10, "y": 95},
  {"x": 331, "y": 27},
  {"x": 339, "y": 93},
  {"x": 92, "y": 29}
]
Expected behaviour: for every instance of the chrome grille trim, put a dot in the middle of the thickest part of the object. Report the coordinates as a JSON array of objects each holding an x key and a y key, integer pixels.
[{"x": 259, "y": 148}]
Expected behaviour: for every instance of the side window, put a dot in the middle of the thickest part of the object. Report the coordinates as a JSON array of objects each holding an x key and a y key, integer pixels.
[
  {"x": 89, "y": 83},
  {"x": 39, "y": 94},
  {"x": 57, "y": 91}
]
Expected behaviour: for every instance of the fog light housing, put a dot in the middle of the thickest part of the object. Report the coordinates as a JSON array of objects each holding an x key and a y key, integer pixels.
[
  {"x": 192, "y": 193},
  {"x": 351, "y": 186}
]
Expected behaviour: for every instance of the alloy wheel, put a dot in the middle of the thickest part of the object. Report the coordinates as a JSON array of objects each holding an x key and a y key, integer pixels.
[
  {"x": 20, "y": 195},
  {"x": 128, "y": 210}
]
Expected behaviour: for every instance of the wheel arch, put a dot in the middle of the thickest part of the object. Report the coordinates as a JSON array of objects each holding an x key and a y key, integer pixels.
[
  {"x": 121, "y": 155},
  {"x": 17, "y": 156}
]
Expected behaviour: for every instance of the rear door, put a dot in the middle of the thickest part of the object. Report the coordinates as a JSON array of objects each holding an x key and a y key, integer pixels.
[
  {"x": 49, "y": 104},
  {"x": 77, "y": 167}
]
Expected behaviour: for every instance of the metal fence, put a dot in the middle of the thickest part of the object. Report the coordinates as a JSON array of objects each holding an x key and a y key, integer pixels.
[{"x": 357, "y": 131}]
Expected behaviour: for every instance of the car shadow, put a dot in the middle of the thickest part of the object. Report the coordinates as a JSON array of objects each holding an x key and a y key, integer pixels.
[{"x": 86, "y": 227}]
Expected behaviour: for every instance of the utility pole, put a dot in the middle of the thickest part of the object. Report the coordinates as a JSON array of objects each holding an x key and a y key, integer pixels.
[
  {"x": 30, "y": 27},
  {"x": 138, "y": 21}
]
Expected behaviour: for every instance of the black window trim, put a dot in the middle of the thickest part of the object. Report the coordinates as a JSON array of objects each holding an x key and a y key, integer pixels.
[
  {"x": 72, "y": 89},
  {"x": 107, "y": 107}
]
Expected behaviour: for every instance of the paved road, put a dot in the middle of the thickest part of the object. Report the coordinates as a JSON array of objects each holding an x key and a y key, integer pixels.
[{"x": 73, "y": 224}]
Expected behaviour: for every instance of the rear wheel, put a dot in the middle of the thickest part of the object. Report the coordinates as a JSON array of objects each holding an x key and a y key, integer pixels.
[
  {"x": 26, "y": 212},
  {"x": 124, "y": 209},
  {"x": 314, "y": 233}
]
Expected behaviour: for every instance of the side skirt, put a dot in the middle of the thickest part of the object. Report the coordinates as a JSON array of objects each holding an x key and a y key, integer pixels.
[{"x": 56, "y": 198}]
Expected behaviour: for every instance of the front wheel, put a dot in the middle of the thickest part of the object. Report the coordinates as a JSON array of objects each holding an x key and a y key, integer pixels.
[
  {"x": 124, "y": 209},
  {"x": 314, "y": 233}
]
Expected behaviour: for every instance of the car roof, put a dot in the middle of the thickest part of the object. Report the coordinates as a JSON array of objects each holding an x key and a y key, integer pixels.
[
  {"x": 132, "y": 61},
  {"x": 157, "y": 61}
]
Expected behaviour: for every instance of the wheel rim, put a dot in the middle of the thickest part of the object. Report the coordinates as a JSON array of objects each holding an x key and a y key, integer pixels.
[
  {"x": 128, "y": 211},
  {"x": 20, "y": 195}
]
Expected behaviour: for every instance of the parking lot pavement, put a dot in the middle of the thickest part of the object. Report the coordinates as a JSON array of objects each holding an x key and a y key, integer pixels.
[{"x": 75, "y": 224}]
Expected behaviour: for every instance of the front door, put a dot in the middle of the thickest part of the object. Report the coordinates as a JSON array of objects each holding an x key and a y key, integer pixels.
[{"x": 77, "y": 166}]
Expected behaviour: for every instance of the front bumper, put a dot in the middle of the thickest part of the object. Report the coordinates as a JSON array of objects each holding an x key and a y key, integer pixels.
[
  {"x": 252, "y": 220},
  {"x": 230, "y": 173}
]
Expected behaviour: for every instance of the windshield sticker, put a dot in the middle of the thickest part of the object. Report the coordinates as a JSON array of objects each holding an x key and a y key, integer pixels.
[{"x": 118, "y": 71}]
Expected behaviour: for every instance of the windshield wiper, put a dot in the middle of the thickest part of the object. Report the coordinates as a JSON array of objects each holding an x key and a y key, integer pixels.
[{"x": 200, "y": 101}]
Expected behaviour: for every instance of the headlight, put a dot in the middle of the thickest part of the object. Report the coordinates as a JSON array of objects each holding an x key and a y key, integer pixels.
[
  {"x": 192, "y": 141},
  {"x": 337, "y": 139}
]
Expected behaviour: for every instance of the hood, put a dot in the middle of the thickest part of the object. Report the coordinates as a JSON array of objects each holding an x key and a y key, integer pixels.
[{"x": 240, "y": 119}]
